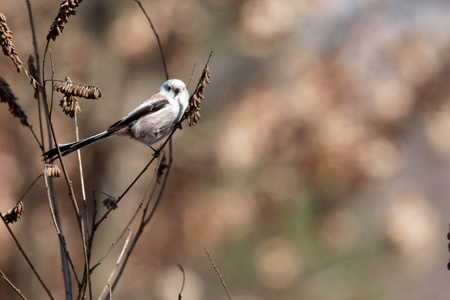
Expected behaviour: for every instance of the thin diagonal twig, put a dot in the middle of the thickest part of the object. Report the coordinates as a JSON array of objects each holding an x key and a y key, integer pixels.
[
  {"x": 218, "y": 273},
  {"x": 145, "y": 218},
  {"x": 26, "y": 258},
  {"x": 157, "y": 38},
  {"x": 151, "y": 187},
  {"x": 184, "y": 279},
  {"x": 119, "y": 259},
  {"x": 18, "y": 292},
  {"x": 55, "y": 219}
]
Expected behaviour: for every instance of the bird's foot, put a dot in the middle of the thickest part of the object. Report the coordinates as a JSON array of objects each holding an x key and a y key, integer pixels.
[{"x": 179, "y": 126}]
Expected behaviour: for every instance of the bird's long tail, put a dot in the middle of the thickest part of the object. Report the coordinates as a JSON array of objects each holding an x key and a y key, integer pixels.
[{"x": 70, "y": 147}]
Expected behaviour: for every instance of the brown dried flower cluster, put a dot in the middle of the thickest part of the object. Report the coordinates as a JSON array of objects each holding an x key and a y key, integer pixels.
[
  {"x": 7, "y": 44},
  {"x": 52, "y": 171},
  {"x": 7, "y": 96},
  {"x": 71, "y": 91},
  {"x": 193, "y": 110},
  {"x": 110, "y": 202},
  {"x": 66, "y": 9},
  {"x": 34, "y": 74},
  {"x": 13, "y": 215},
  {"x": 70, "y": 106},
  {"x": 79, "y": 90},
  {"x": 161, "y": 169}
]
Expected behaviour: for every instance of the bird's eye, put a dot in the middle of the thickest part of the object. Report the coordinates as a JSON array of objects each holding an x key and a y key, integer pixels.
[
  {"x": 177, "y": 90},
  {"x": 169, "y": 88}
]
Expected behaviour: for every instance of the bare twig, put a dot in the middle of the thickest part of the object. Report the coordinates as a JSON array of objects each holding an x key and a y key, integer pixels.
[
  {"x": 65, "y": 258},
  {"x": 85, "y": 220},
  {"x": 192, "y": 76},
  {"x": 18, "y": 292},
  {"x": 119, "y": 259},
  {"x": 26, "y": 258},
  {"x": 29, "y": 187},
  {"x": 102, "y": 218},
  {"x": 157, "y": 38},
  {"x": 145, "y": 218},
  {"x": 38, "y": 72},
  {"x": 56, "y": 223},
  {"x": 218, "y": 273},
  {"x": 148, "y": 192},
  {"x": 182, "y": 285}
]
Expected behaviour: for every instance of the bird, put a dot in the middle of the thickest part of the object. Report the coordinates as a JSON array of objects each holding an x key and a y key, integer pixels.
[{"x": 149, "y": 123}]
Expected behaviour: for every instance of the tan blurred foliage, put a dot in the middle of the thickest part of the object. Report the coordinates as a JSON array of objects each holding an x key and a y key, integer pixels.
[{"x": 317, "y": 114}]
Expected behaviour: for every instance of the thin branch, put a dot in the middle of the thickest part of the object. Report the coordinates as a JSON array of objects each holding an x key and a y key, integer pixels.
[
  {"x": 218, "y": 273},
  {"x": 157, "y": 38},
  {"x": 152, "y": 187},
  {"x": 102, "y": 218},
  {"x": 65, "y": 258},
  {"x": 62, "y": 241},
  {"x": 192, "y": 75},
  {"x": 36, "y": 54},
  {"x": 84, "y": 220},
  {"x": 26, "y": 258},
  {"x": 145, "y": 219},
  {"x": 184, "y": 279},
  {"x": 18, "y": 292},
  {"x": 108, "y": 283},
  {"x": 29, "y": 188}
]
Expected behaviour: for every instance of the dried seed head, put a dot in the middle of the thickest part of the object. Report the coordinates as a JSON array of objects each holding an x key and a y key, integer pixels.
[
  {"x": 161, "y": 169},
  {"x": 192, "y": 112},
  {"x": 52, "y": 171},
  {"x": 66, "y": 9},
  {"x": 34, "y": 74},
  {"x": 70, "y": 105},
  {"x": 77, "y": 89},
  {"x": 7, "y": 96},
  {"x": 110, "y": 202},
  {"x": 7, "y": 45},
  {"x": 13, "y": 215}
]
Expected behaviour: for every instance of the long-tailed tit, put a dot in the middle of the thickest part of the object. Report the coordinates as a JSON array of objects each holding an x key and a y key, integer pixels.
[{"x": 148, "y": 123}]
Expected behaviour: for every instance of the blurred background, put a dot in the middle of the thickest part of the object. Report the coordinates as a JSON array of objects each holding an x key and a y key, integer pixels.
[{"x": 319, "y": 169}]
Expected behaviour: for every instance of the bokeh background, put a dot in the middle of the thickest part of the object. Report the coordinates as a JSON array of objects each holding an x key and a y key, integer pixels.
[{"x": 319, "y": 169}]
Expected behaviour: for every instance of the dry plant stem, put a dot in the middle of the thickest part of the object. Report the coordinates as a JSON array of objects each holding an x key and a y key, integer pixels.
[
  {"x": 80, "y": 220},
  {"x": 152, "y": 186},
  {"x": 84, "y": 221},
  {"x": 146, "y": 219},
  {"x": 29, "y": 188},
  {"x": 157, "y": 38},
  {"x": 192, "y": 75},
  {"x": 36, "y": 54},
  {"x": 108, "y": 283},
  {"x": 26, "y": 258},
  {"x": 18, "y": 292},
  {"x": 58, "y": 231},
  {"x": 218, "y": 273},
  {"x": 102, "y": 218},
  {"x": 65, "y": 258},
  {"x": 184, "y": 279}
]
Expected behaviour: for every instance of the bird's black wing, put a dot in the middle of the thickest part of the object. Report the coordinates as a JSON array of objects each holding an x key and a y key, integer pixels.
[{"x": 135, "y": 115}]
